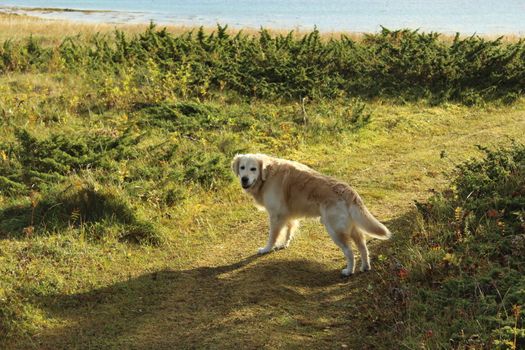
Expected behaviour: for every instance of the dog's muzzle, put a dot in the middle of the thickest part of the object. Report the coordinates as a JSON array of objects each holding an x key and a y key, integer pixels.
[{"x": 245, "y": 182}]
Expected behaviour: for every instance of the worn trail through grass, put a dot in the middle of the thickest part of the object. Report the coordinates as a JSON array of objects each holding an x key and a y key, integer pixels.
[{"x": 207, "y": 289}]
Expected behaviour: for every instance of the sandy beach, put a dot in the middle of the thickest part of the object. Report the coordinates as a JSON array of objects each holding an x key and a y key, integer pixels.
[
  {"x": 487, "y": 18},
  {"x": 52, "y": 31}
]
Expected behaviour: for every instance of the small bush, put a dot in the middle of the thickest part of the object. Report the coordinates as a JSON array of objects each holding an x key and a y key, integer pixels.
[
  {"x": 184, "y": 117},
  {"x": 37, "y": 163},
  {"x": 206, "y": 169},
  {"x": 472, "y": 272},
  {"x": 78, "y": 203}
]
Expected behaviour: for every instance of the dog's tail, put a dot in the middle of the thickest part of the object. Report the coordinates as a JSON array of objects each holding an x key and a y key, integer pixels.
[{"x": 367, "y": 222}]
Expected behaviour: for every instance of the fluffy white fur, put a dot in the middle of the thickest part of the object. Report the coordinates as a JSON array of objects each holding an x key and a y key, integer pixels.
[{"x": 289, "y": 191}]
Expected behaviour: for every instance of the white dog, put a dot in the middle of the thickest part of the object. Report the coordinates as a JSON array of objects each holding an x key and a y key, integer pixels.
[{"x": 289, "y": 190}]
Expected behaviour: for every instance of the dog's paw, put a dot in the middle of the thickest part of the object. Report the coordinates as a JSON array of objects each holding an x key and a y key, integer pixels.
[
  {"x": 264, "y": 250},
  {"x": 281, "y": 246},
  {"x": 365, "y": 268},
  {"x": 347, "y": 272}
]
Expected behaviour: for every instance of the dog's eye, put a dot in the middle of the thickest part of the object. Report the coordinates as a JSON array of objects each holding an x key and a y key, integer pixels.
[
  {"x": 242, "y": 168},
  {"x": 253, "y": 169}
]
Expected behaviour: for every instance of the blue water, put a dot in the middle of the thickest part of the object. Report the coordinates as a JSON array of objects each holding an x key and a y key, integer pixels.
[{"x": 447, "y": 16}]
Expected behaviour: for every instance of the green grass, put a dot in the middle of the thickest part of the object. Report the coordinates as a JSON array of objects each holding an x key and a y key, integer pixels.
[{"x": 122, "y": 227}]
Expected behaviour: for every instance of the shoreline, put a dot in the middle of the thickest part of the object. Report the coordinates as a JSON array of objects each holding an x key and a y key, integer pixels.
[
  {"x": 97, "y": 17},
  {"x": 15, "y": 9},
  {"x": 18, "y": 26},
  {"x": 15, "y": 25}
]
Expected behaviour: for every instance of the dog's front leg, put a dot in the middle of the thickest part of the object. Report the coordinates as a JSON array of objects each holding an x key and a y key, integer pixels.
[{"x": 276, "y": 225}]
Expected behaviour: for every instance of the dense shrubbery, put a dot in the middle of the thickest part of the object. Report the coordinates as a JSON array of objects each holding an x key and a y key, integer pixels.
[
  {"x": 153, "y": 151},
  {"x": 395, "y": 64},
  {"x": 48, "y": 181},
  {"x": 468, "y": 285}
]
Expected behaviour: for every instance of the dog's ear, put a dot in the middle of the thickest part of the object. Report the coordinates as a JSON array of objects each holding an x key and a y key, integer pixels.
[
  {"x": 263, "y": 165},
  {"x": 235, "y": 164}
]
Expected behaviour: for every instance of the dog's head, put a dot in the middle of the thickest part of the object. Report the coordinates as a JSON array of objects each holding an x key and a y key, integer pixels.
[{"x": 250, "y": 168}]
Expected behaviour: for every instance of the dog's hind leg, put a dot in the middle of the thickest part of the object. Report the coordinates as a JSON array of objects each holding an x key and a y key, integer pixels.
[
  {"x": 337, "y": 227},
  {"x": 347, "y": 250},
  {"x": 342, "y": 240},
  {"x": 277, "y": 224},
  {"x": 360, "y": 241}
]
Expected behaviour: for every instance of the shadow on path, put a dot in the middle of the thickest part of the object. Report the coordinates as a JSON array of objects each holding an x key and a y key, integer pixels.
[
  {"x": 251, "y": 305},
  {"x": 273, "y": 301}
]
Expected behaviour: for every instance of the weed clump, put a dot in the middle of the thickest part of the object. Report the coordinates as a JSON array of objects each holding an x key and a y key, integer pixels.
[
  {"x": 184, "y": 117},
  {"x": 81, "y": 204},
  {"x": 468, "y": 287},
  {"x": 32, "y": 163}
]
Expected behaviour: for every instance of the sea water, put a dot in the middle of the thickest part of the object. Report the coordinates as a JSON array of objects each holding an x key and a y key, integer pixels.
[{"x": 446, "y": 16}]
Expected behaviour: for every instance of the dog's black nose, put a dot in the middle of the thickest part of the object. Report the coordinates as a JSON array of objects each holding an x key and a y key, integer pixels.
[{"x": 244, "y": 179}]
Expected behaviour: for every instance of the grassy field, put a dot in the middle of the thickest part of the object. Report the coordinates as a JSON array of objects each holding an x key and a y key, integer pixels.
[{"x": 122, "y": 227}]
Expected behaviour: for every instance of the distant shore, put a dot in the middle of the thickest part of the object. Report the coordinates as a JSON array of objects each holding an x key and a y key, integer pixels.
[
  {"x": 337, "y": 17},
  {"x": 16, "y": 23},
  {"x": 18, "y": 26}
]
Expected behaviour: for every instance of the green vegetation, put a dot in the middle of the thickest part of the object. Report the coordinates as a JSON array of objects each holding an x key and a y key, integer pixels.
[
  {"x": 404, "y": 65},
  {"x": 121, "y": 225},
  {"x": 463, "y": 266}
]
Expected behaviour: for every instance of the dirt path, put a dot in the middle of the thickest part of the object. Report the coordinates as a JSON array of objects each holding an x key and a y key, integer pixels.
[{"x": 227, "y": 298}]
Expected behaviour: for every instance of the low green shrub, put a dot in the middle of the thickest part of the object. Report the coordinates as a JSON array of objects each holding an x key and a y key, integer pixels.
[
  {"x": 468, "y": 286},
  {"x": 35, "y": 163},
  {"x": 183, "y": 117},
  {"x": 79, "y": 203},
  {"x": 206, "y": 168},
  {"x": 402, "y": 65}
]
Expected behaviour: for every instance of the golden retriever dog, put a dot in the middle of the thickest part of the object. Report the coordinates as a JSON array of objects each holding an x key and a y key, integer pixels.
[{"x": 289, "y": 191}]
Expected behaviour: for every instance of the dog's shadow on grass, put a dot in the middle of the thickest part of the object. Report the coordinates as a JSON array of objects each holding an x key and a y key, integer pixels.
[
  {"x": 246, "y": 303},
  {"x": 259, "y": 301}
]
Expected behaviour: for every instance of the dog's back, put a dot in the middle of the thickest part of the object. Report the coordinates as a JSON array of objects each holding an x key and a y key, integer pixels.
[{"x": 305, "y": 191}]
